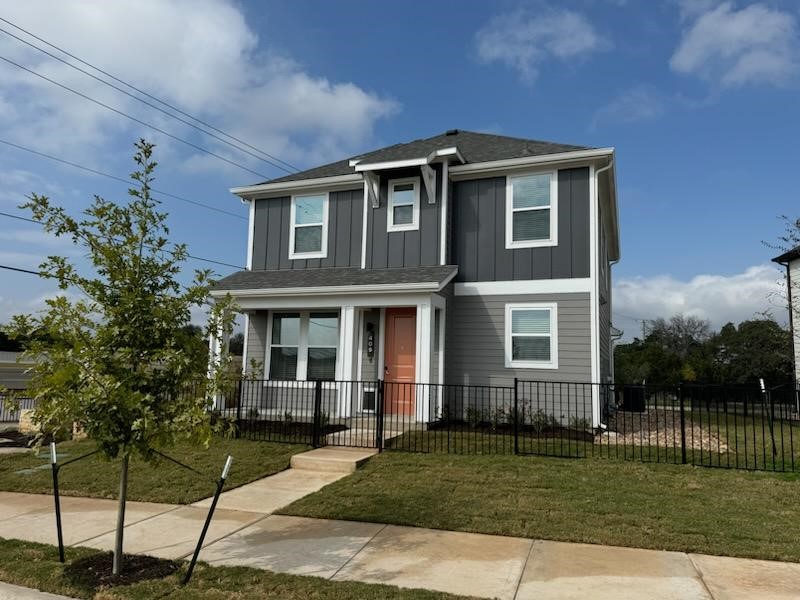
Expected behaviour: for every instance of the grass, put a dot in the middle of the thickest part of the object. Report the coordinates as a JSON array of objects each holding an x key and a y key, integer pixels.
[
  {"x": 95, "y": 477},
  {"x": 36, "y": 566},
  {"x": 591, "y": 500}
]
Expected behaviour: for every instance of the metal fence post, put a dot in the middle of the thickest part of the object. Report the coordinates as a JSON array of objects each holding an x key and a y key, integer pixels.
[
  {"x": 516, "y": 415},
  {"x": 57, "y": 500},
  {"x": 379, "y": 417},
  {"x": 316, "y": 435},
  {"x": 683, "y": 426},
  {"x": 239, "y": 408}
]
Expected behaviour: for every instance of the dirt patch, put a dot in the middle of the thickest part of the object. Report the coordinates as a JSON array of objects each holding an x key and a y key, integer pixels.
[
  {"x": 95, "y": 571},
  {"x": 658, "y": 428}
]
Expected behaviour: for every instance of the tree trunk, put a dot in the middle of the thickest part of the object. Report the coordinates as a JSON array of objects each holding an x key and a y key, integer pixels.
[{"x": 123, "y": 493}]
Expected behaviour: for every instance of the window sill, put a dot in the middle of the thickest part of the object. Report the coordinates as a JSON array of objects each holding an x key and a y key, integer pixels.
[
  {"x": 531, "y": 244},
  {"x": 392, "y": 228},
  {"x": 516, "y": 364},
  {"x": 305, "y": 255}
]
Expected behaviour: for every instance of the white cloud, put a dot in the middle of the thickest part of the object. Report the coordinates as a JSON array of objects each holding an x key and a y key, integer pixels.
[
  {"x": 198, "y": 54},
  {"x": 639, "y": 103},
  {"x": 719, "y": 298},
  {"x": 34, "y": 237},
  {"x": 755, "y": 44},
  {"x": 524, "y": 39}
]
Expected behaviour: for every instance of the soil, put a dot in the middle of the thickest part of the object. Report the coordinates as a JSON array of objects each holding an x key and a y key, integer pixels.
[
  {"x": 300, "y": 428},
  {"x": 15, "y": 439},
  {"x": 95, "y": 571}
]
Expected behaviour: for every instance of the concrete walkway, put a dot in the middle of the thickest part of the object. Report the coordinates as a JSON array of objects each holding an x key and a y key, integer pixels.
[{"x": 244, "y": 533}]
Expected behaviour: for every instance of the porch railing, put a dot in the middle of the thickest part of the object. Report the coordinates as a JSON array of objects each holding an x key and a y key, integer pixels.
[{"x": 735, "y": 426}]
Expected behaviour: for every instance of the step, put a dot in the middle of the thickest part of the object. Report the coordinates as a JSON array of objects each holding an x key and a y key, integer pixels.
[{"x": 332, "y": 460}]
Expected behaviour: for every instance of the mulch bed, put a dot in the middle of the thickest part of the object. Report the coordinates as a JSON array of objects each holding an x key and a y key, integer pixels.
[{"x": 95, "y": 571}]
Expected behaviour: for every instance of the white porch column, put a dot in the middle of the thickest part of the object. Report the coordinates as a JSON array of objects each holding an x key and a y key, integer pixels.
[
  {"x": 424, "y": 341},
  {"x": 348, "y": 330},
  {"x": 217, "y": 343}
]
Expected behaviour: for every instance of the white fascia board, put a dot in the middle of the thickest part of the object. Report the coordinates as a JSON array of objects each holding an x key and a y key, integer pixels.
[
  {"x": 526, "y": 161},
  {"x": 409, "y": 162},
  {"x": 525, "y": 287},
  {"x": 319, "y": 182}
]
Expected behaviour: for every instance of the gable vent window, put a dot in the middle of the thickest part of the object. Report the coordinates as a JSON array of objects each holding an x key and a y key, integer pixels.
[
  {"x": 531, "y": 332},
  {"x": 531, "y": 210},
  {"x": 308, "y": 236},
  {"x": 403, "y": 205}
]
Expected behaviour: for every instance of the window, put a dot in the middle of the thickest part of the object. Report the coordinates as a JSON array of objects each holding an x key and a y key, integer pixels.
[
  {"x": 403, "y": 209},
  {"x": 531, "y": 336},
  {"x": 531, "y": 210},
  {"x": 308, "y": 231},
  {"x": 303, "y": 346}
]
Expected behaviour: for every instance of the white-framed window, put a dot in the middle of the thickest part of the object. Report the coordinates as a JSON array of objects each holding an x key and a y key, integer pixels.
[
  {"x": 303, "y": 346},
  {"x": 531, "y": 336},
  {"x": 403, "y": 205},
  {"x": 308, "y": 226},
  {"x": 532, "y": 210}
]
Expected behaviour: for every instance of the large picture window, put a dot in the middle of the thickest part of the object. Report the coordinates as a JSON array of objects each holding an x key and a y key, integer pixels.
[
  {"x": 303, "y": 346},
  {"x": 403, "y": 209},
  {"x": 308, "y": 235},
  {"x": 531, "y": 210},
  {"x": 531, "y": 336}
]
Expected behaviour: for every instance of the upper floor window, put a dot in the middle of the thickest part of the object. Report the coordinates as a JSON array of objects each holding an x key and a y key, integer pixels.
[
  {"x": 308, "y": 230},
  {"x": 531, "y": 210},
  {"x": 531, "y": 332},
  {"x": 403, "y": 206}
]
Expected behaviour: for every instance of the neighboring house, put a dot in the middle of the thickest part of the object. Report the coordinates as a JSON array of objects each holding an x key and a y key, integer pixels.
[
  {"x": 465, "y": 258},
  {"x": 13, "y": 371},
  {"x": 791, "y": 260}
]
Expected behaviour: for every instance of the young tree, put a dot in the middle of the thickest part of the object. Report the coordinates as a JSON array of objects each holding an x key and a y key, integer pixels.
[{"x": 119, "y": 360}]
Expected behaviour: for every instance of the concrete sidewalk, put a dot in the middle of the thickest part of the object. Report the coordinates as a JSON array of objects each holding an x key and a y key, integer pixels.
[{"x": 462, "y": 563}]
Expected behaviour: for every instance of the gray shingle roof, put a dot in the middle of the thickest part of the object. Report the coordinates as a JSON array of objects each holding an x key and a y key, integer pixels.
[
  {"x": 792, "y": 254},
  {"x": 345, "y": 276},
  {"x": 474, "y": 147}
]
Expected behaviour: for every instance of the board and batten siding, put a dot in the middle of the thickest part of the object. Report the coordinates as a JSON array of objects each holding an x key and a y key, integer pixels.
[
  {"x": 479, "y": 232},
  {"x": 271, "y": 233},
  {"x": 476, "y": 340},
  {"x": 416, "y": 248}
]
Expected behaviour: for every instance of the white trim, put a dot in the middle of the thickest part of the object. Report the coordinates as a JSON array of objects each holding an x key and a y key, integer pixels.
[
  {"x": 414, "y": 225},
  {"x": 323, "y": 290},
  {"x": 521, "y": 364},
  {"x": 511, "y": 163},
  {"x": 360, "y": 329},
  {"x": 552, "y": 240},
  {"x": 423, "y": 366},
  {"x": 323, "y": 251},
  {"x": 251, "y": 230},
  {"x": 594, "y": 297},
  {"x": 407, "y": 162},
  {"x": 244, "y": 343},
  {"x": 297, "y": 185},
  {"x": 310, "y": 301},
  {"x": 381, "y": 370},
  {"x": 529, "y": 286},
  {"x": 364, "y": 216},
  {"x": 443, "y": 233}
]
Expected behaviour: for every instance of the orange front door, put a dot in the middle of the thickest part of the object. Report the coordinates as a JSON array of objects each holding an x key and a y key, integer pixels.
[{"x": 400, "y": 360}]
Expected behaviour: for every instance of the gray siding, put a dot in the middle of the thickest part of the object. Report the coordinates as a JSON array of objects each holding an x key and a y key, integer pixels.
[
  {"x": 604, "y": 309},
  {"x": 478, "y": 243},
  {"x": 271, "y": 233},
  {"x": 476, "y": 338},
  {"x": 256, "y": 341},
  {"x": 369, "y": 365},
  {"x": 405, "y": 248}
]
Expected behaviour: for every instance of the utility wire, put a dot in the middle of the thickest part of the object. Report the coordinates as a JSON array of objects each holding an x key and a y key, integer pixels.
[
  {"x": 158, "y": 108},
  {"x": 144, "y": 93},
  {"x": 22, "y": 270},
  {"x": 208, "y": 260},
  {"x": 132, "y": 118},
  {"x": 116, "y": 178}
]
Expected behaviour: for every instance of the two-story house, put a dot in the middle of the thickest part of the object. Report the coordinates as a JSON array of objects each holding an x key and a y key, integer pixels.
[{"x": 464, "y": 258}]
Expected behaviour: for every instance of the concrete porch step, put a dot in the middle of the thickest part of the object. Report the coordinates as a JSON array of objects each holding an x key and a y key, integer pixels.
[{"x": 332, "y": 460}]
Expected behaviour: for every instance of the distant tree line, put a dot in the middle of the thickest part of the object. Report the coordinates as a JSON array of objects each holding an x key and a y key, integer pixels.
[{"x": 686, "y": 349}]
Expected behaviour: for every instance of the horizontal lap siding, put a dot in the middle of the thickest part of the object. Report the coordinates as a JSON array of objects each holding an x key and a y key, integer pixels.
[
  {"x": 479, "y": 230},
  {"x": 271, "y": 233},
  {"x": 476, "y": 340},
  {"x": 256, "y": 340}
]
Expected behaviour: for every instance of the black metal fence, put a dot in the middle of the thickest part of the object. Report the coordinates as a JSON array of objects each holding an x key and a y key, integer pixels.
[{"x": 739, "y": 426}]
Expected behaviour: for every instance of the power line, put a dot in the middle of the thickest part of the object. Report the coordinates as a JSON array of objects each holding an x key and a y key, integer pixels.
[
  {"x": 116, "y": 178},
  {"x": 272, "y": 162},
  {"x": 208, "y": 260},
  {"x": 22, "y": 270},
  {"x": 132, "y": 118}
]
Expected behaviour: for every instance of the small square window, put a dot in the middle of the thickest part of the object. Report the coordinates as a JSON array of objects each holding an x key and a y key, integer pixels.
[{"x": 531, "y": 336}]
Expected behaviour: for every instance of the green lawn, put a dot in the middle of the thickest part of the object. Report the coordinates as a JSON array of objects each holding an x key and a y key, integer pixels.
[
  {"x": 36, "y": 565},
  {"x": 601, "y": 501},
  {"x": 98, "y": 478}
]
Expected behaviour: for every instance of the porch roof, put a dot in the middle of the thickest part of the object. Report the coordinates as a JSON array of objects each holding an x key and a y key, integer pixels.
[{"x": 343, "y": 279}]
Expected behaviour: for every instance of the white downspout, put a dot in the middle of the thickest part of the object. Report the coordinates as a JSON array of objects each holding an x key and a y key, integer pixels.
[{"x": 595, "y": 308}]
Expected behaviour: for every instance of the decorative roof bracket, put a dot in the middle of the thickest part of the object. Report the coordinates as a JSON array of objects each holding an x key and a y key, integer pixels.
[
  {"x": 429, "y": 179},
  {"x": 373, "y": 187}
]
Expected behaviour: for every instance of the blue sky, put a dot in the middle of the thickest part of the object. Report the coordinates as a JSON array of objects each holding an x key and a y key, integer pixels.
[{"x": 698, "y": 97}]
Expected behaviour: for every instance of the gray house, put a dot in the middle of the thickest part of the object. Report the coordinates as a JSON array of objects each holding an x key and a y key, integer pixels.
[
  {"x": 464, "y": 258},
  {"x": 791, "y": 260}
]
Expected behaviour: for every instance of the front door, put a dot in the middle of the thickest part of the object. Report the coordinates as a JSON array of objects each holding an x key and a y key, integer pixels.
[{"x": 400, "y": 360}]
